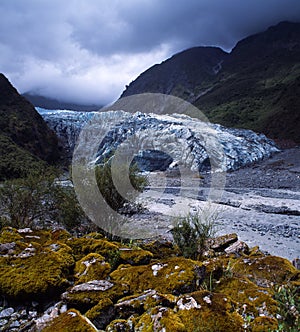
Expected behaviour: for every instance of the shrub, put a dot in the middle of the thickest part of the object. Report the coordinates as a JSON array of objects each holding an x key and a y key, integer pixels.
[
  {"x": 191, "y": 232},
  {"x": 107, "y": 187},
  {"x": 36, "y": 198}
]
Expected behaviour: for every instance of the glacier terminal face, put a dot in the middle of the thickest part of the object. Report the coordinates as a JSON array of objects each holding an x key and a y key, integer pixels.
[{"x": 163, "y": 140}]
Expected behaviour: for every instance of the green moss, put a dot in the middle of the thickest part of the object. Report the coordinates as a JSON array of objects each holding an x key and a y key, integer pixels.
[
  {"x": 91, "y": 267},
  {"x": 70, "y": 321},
  {"x": 174, "y": 275}
]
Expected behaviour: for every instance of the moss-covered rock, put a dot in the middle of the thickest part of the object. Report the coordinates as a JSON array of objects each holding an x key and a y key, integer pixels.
[
  {"x": 86, "y": 245},
  {"x": 175, "y": 275},
  {"x": 135, "y": 256},
  {"x": 252, "y": 300},
  {"x": 160, "y": 248},
  {"x": 70, "y": 321},
  {"x": 160, "y": 319},
  {"x": 264, "y": 324},
  {"x": 91, "y": 267},
  {"x": 102, "y": 313},
  {"x": 137, "y": 304},
  {"x": 35, "y": 271},
  {"x": 119, "y": 325},
  {"x": 85, "y": 296},
  {"x": 266, "y": 270},
  {"x": 9, "y": 234},
  {"x": 205, "y": 311}
]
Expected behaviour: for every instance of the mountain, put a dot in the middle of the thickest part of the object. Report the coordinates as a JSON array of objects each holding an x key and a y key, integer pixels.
[
  {"x": 54, "y": 104},
  {"x": 256, "y": 86},
  {"x": 186, "y": 74},
  {"x": 26, "y": 142}
]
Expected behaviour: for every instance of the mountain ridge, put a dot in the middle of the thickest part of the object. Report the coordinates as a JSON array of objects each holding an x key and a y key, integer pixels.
[
  {"x": 26, "y": 142},
  {"x": 256, "y": 86}
]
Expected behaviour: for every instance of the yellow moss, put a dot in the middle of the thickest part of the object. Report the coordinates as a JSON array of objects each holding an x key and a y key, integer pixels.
[
  {"x": 101, "y": 306},
  {"x": 83, "y": 246},
  {"x": 160, "y": 319},
  {"x": 251, "y": 299},
  {"x": 172, "y": 275},
  {"x": 266, "y": 270},
  {"x": 138, "y": 303},
  {"x": 70, "y": 321},
  {"x": 91, "y": 267},
  {"x": 9, "y": 234},
  {"x": 85, "y": 300},
  {"x": 118, "y": 325},
  {"x": 215, "y": 313},
  {"x": 264, "y": 324},
  {"x": 38, "y": 275},
  {"x": 135, "y": 256},
  {"x": 161, "y": 249},
  {"x": 60, "y": 235}
]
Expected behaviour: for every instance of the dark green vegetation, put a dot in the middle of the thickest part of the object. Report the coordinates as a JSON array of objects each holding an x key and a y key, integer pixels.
[
  {"x": 26, "y": 142},
  {"x": 191, "y": 232},
  {"x": 106, "y": 185},
  {"x": 256, "y": 86},
  {"x": 37, "y": 200}
]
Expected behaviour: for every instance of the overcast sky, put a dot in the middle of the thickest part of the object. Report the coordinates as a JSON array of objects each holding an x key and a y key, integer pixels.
[{"x": 86, "y": 51}]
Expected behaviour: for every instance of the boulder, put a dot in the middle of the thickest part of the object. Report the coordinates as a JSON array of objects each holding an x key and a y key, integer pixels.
[
  {"x": 72, "y": 320},
  {"x": 175, "y": 275}
]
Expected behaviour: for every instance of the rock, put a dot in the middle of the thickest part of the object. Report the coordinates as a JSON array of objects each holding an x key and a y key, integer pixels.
[
  {"x": 119, "y": 325},
  {"x": 135, "y": 304},
  {"x": 45, "y": 271},
  {"x": 7, "y": 248},
  {"x": 266, "y": 270},
  {"x": 85, "y": 296},
  {"x": 220, "y": 243},
  {"x": 6, "y": 312},
  {"x": 175, "y": 275},
  {"x": 72, "y": 320},
  {"x": 238, "y": 248},
  {"x": 91, "y": 267},
  {"x": 135, "y": 256},
  {"x": 102, "y": 313}
]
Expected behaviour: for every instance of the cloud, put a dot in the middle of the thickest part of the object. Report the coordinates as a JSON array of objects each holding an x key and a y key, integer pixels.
[{"x": 86, "y": 51}]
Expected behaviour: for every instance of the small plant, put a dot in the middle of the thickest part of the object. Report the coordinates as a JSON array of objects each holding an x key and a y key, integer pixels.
[
  {"x": 288, "y": 298},
  {"x": 191, "y": 232}
]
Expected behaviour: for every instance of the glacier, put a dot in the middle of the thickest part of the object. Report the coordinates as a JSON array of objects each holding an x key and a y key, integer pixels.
[{"x": 161, "y": 141}]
